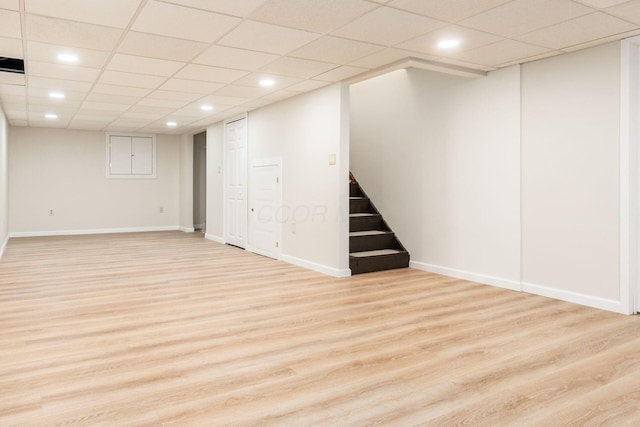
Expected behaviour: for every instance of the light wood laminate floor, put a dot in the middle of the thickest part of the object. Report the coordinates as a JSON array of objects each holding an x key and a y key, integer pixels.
[{"x": 168, "y": 329}]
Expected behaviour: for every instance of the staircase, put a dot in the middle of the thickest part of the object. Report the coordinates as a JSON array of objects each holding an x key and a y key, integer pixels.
[{"x": 372, "y": 244}]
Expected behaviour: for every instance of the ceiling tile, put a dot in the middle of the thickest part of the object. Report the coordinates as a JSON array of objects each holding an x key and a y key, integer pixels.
[
  {"x": 191, "y": 86},
  {"x": 11, "y": 48},
  {"x": 57, "y": 84},
  {"x": 307, "y": 85},
  {"x": 112, "y": 99},
  {"x": 62, "y": 72},
  {"x": 523, "y": 16},
  {"x": 209, "y": 74},
  {"x": 150, "y": 105},
  {"x": 629, "y": 11},
  {"x": 603, "y": 40},
  {"x": 240, "y": 8},
  {"x": 280, "y": 95},
  {"x": 174, "y": 96},
  {"x": 500, "y": 52},
  {"x": 243, "y": 91},
  {"x": 112, "y": 13},
  {"x": 340, "y": 73},
  {"x": 254, "y": 79},
  {"x": 12, "y": 79},
  {"x": 13, "y": 90},
  {"x": 69, "y": 95},
  {"x": 11, "y": 26},
  {"x": 266, "y": 37},
  {"x": 72, "y": 34},
  {"x": 580, "y": 30},
  {"x": 44, "y": 52},
  {"x": 450, "y": 10},
  {"x": 296, "y": 67},
  {"x": 10, "y": 4},
  {"x": 154, "y": 46},
  {"x": 224, "y": 100},
  {"x": 119, "y": 78},
  {"x": 469, "y": 39},
  {"x": 601, "y": 4},
  {"x": 320, "y": 16},
  {"x": 183, "y": 22},
  {"x": 150, "y": 66},
  {"x": 230, "y": 57},
  {"x": 109, "y": 89},
  {"x": 386, "y": 26},
  {"x": 388, "y": 56},
  {"x": 335, "y": 50},
  {"x": 103, "y": 106}
]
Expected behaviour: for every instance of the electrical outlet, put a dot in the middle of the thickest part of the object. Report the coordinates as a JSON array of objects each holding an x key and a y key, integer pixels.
[
  {"x": 161, "y": 209},
  {"x": 50, "y": 212},
  {"x": 293, "y": 228}
]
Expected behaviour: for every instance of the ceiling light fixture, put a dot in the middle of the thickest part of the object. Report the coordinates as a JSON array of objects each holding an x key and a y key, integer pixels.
[
  {"x": 68, "y": 58},
  {"x": 207, "y": 108},
  {"x": 56, "y": 95},
  {"x": 267, "y": 82},
  {"x": 172, "y": 124},
  {"x": 51, "y": 116},
  {"x": 448, "y": 44}
]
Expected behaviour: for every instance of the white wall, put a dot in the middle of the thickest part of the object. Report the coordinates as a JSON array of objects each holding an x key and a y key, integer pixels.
[
  {"x": 64, "y": 170},
  {"x": 303, "y": 131},
  {"x": 511, "y": 180},
  {"x": 570, "y": 174},
  {"x": 439, "y": 157},
  {"x": 215, "y": 205},
  {"x": 4, "y": 182}
]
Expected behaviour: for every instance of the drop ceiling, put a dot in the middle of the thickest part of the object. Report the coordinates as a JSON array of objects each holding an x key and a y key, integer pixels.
[{"x": 143, "y": 63}]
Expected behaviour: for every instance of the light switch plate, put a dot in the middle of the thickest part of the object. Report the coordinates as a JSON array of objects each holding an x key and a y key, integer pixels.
[{"x": 332, "y": 159}]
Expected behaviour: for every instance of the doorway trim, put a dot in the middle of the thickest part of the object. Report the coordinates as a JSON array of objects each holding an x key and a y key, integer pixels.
[
  {"x": 629, "y": 185},
  {"x": 225, "y": 168},
  {"x": 277, "y": 162}
]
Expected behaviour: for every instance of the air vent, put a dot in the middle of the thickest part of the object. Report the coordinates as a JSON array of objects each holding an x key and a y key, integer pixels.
[{"x": 11, "y": 65}]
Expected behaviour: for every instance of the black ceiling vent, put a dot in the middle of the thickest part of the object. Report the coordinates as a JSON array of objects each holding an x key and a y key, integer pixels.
[{"x": 11, "y": 65}]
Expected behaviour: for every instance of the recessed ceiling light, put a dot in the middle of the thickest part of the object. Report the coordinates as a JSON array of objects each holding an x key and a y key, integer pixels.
[
  {"x": 69, "y": 58},
  {"x": 448, "y": 44},
  {"x": 172, "y": 124},
  {"x": 267, "y": 82},
  {"x": 51, "y": 116},
  {"x": 206, "y": 107},
  {"x": 56, "y": 95}
]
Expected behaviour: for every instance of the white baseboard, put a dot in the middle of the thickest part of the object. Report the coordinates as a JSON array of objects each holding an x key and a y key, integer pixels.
[
  {"x": 513, "y": 285},
  {"x": 187, "y": 229},
  {"x": 91, "y": 231},
  {"x": 330, "y": 271},
  {"x": 213, "y": 238},
  {"x": 4, "y": 245},
  {"x": 574, "y": 297}
]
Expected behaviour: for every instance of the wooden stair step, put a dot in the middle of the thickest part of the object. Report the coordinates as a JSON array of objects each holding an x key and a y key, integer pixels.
[
  {"x": 375, "y": 253},
  {"x": 367, "y": 233}
]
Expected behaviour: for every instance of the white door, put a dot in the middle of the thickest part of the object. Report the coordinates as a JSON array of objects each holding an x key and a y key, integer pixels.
[
  {"x": 265, "y": 208},
  {"x": 235, "y": 166}
]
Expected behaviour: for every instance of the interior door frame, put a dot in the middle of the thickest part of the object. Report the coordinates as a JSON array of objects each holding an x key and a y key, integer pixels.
[
  {"x": 225, "y": 168},
  {"x": 274, "y": 161},
  {"x": 629, "y": 176}
]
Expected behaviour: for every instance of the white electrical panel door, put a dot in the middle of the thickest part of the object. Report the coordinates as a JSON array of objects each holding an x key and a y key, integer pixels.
[
  {"x": 141, "y": 156},
  {"x": 120, "y": 155},
  {"x": 131, "y": 156}
]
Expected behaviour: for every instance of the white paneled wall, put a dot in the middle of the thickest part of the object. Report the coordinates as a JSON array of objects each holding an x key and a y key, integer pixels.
[{"x": 511, "y": 180}]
